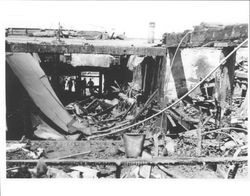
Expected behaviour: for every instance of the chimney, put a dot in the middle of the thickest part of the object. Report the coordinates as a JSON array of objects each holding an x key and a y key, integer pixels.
[{"x": 151, "y": 32}]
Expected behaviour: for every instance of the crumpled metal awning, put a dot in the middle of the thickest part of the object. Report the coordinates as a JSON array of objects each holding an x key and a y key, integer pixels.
[{"x": 27, "y": 69}]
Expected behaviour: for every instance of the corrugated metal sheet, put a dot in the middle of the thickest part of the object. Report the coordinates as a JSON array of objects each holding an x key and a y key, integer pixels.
[{"x": 32, "y": 77}]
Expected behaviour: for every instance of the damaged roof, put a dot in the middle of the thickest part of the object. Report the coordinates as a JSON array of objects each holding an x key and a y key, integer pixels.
[
  {"x": 213, "y": 35},
  {"x": 77, "y": 45}
]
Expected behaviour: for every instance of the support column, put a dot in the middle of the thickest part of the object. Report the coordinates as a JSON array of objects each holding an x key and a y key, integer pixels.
[
  {"x": 118, "y": 171},
  {"x": 162, "y": 77},
  {"x": 161, "y": 86},
  {"x": 178, "y": 72},
  {"x": 224, "y": 81}
]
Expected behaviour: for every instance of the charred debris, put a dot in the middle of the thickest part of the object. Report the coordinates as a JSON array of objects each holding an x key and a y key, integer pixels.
[{"x": 124, "y": 123}]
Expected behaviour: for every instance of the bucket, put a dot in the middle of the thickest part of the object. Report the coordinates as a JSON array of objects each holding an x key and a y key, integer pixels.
[{"x": 133, "y": 144}]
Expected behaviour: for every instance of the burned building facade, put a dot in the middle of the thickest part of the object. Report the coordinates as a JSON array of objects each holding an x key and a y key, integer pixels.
[{"x": 176, "y": 93}]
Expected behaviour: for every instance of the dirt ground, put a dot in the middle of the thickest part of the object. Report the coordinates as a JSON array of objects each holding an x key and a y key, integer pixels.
[{"x": 113, "y": 149}]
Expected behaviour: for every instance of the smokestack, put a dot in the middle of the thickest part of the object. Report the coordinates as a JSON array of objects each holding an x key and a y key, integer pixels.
[{"x": 151, "y": 32}]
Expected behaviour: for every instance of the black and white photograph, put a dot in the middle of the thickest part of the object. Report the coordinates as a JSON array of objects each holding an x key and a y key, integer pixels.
[{"x": 125, "y": 90}]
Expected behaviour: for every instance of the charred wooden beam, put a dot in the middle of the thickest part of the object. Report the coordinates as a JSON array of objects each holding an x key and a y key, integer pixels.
[
  {"x": 105, "y": 111},
  {"x": 161, "y": 78},
  {"x": 178, "y": 72},
  {"x": 91, "y": 104},
  {"x": 224, "y": 80},
  {"x": 180, "y": 119},
  {"x": 129, "y": 109},
  {"x": 230, "y": 64},
  {"x": 50, "y": 47},
  {"x": 146, "y": 105}
]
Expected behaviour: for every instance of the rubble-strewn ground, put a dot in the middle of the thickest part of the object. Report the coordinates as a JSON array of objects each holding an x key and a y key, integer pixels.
[
  {"x": 193, "y": 128},
  {"x": 110, "y": 149}
]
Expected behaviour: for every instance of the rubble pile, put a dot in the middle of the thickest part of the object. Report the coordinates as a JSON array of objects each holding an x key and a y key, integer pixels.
[
  {"x": 100, "y": 115},
  {"x": 197, "y": 115},
  {"x": 127, "y": 134}
]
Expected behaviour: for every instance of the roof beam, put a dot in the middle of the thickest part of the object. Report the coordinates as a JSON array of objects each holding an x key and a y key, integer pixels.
[{"x": 84, "y": 49}]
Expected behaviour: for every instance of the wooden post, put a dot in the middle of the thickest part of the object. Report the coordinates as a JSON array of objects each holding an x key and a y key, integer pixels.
[
  {"x": 156, "y": 76},
  {"x": 118, "y": 171},
  {"x": 178, "y": 72},
  {"x": 199, "y": 137},
  {"x": 100, "y": 83},
  {"x": 152, "y": 70},
  {"x": 162, "y": 79},
  {"x": 161, "y": 86},
  {"x": 224, "y": 81}
]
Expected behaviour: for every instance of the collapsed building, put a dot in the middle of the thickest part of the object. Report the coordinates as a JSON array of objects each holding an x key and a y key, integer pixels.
[{"x": 85, "y": 93}]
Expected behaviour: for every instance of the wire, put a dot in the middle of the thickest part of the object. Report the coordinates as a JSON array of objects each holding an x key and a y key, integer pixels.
[
  {"x": 177, "y": 101},
  {"x": 225, "y": 128},
  {"x": 179, "y": 47},
  {"x": 171, "y": 65},
  {"x": 171, "y": 62}
]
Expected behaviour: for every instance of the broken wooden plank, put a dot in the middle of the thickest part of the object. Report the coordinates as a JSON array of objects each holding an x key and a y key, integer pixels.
[
  {"x": 84, "y": 101},
  {"x": 108, "y": 131},
  {"x": 148, "y": 102},
  {"x": 171, "y": 120},
  {"x": 232, "y": 171},
  {"x": 105, "y": 111},
  {"x": 129, "y": 109},
  {"x": 109, "y": 120},
  {"x": 91, "y": 104},
  {"x": 179, "y": 119}
]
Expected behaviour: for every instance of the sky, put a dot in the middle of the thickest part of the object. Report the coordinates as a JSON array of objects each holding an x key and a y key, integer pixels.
[{"x": 130, "y": 17}]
